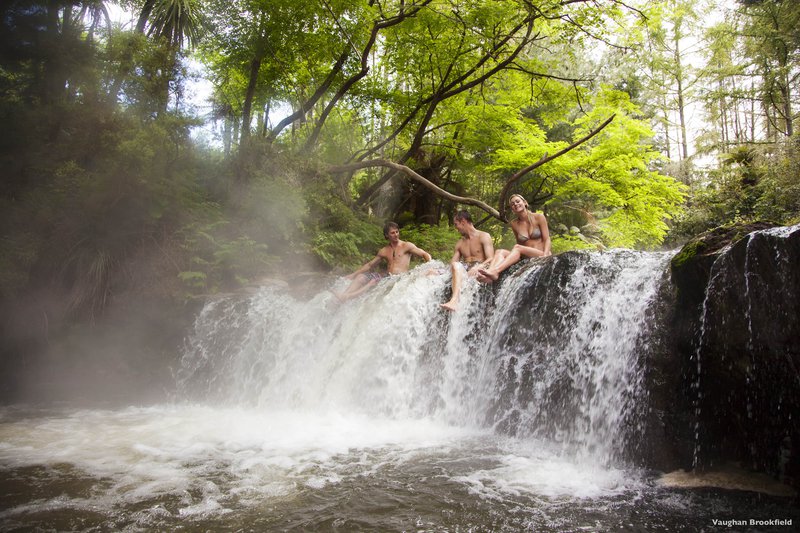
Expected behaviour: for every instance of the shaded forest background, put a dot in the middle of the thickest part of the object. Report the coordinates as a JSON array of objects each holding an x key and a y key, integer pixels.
[{"x": 117, "y": 220}]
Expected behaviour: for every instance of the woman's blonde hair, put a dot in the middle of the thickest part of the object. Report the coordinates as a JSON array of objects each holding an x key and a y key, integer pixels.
[{"x": 520, "y": 196}]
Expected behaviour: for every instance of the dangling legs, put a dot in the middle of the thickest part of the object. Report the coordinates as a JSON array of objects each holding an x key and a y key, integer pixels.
[
  {"x": 458, "y": 278},
  {"x": 493, "y": 272}
]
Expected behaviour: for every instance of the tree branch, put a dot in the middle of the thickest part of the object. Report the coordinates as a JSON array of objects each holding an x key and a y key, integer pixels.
[
  {"x": 449, "y": 90},
  {"x": 419, "y": 179},
  {"x": 534, "y": 74},
  {"x": 457, "y": 86},
  {"x": 499, "y": 215},
  {"x": 352, "y": 80},
  {"x": 545, "y": 159},
  {"x": 309, "y": 103}
]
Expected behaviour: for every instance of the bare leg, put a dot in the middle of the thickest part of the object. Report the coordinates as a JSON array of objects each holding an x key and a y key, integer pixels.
[
  {"x": 518, "y": 252},
  {"x": 498, "y": 258},
  {"x": 501, "y": 261},
  {"x": 357, "y": 287},
  {"x": 458, "y": 278}
]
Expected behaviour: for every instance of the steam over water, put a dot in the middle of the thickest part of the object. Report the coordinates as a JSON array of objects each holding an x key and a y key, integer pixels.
[{"x": 383, "y": 413}]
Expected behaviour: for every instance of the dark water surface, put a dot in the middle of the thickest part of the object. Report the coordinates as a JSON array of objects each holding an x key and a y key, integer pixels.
[{"x": 195, "y": 468}]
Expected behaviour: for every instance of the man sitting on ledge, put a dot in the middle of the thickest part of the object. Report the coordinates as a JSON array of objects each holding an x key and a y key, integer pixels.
[
  {"x": 474, "y": 250},
  {"x": 397, "y": 255}
]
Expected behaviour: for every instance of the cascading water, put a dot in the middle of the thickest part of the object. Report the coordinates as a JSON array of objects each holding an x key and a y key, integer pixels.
[
  {"x": 697, "y": 358},
  {"x": 516, "y": 412},
  {"x": 562, "y": 363},
  {"x": 572, "y": 369}
]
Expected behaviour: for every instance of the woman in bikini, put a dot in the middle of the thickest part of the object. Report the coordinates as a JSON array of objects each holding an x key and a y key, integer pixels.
[{"x": 533, "y": 240}]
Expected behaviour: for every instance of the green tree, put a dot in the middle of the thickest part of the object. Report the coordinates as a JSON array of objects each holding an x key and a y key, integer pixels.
[
  {"x": 772, "y": 43},
  {"x": 173, "y": 24}
]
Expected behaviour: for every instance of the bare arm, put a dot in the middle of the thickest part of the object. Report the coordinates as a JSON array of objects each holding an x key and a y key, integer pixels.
[
  {"x": 419, "y": 252},
  {"x": 545, "y": 233},
  {"x": 366, "y": 267},
  {"x": 515, "y": 229},
  {"x": 488, "y": 246},
  {"x": 457, "y": 253}
]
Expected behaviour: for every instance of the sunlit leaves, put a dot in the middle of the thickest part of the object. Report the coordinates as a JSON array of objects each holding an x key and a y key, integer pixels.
[{"x": 614, "y": 177}]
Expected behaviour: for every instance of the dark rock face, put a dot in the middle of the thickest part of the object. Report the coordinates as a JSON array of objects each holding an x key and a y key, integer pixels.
[
  {"x": 691, "y": 267},
  {"x": 737, "y": 331}
]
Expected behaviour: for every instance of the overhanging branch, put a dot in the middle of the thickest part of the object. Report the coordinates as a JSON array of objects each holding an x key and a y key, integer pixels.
[
  {"x": 419, "y": 179},
  {"x": 546, "y": 159},
  {"x": 499, "y": 215}
]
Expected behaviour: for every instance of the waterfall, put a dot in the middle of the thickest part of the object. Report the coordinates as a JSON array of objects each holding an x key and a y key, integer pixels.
[
  {"x": 531, "y": 407},
  {"x": 555, "y": 350},
  {"x": 747, "y": 352},
  {"x": 573, "y": 367}
]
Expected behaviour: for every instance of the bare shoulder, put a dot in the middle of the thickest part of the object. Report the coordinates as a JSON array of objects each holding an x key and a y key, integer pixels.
[
  {"x": 402, "y": 247},
  {"x": 385, "y": 252}
]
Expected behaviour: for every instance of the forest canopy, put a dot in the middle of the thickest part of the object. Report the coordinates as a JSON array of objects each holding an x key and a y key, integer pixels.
[{"x": 666, "y": 118}]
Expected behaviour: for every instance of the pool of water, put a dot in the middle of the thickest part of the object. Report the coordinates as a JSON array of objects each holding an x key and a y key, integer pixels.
[{"x": 197, "y": 468}]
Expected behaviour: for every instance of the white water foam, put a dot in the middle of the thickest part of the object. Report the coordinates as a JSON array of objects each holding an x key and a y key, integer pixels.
[{"x": 212, "y": 461}]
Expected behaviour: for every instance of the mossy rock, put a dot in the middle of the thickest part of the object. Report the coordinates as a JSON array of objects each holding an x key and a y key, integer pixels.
[
  {"x": 691, "y": 267},
  {"x": 688, "y": 252}
]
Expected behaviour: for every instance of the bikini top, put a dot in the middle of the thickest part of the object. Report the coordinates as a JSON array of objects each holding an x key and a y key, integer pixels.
[{"x": 535, "y": 235}]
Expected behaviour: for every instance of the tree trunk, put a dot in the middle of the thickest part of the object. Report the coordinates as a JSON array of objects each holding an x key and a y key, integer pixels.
[
  {"x": 681, "y": 109},
  {"x": 737, "y": 127},
  {"x": 787, "y": 108},
  {"x": 54, "y": 77},
  {"x": 423, "y": 201},
  {"x": 723, "y": 117},
  {"x": 227, "y": 132},
  {"x": 144, "y": 15},
  {"x": 679, "y": 79},
  {"x": 255, "y": 66},
  {"x": 265, "y": 126},
  {"x": 752, "y": 114},
  {"x": 307, "y": 104}
]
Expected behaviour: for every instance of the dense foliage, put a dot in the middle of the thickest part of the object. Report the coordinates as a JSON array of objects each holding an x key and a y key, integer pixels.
[{"x": 106, "y": 192}]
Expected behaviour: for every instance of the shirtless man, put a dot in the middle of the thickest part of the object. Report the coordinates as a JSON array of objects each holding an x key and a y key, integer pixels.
[
  {"x": 397, "y": 255},
  {"x": 474, "y": 250}
]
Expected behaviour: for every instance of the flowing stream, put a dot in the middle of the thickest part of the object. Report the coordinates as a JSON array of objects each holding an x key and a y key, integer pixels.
[{"x": 385, "y": 413}]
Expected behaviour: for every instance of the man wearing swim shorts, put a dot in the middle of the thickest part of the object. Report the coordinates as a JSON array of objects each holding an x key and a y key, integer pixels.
[
  {"x": 397, "y": 255},
  {"x": 474, "y": 250}
]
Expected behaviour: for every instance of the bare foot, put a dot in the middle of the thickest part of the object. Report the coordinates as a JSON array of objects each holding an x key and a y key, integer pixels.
[
  {"x": 450, "y": 306},
  {"x": 488, "y": 274}
]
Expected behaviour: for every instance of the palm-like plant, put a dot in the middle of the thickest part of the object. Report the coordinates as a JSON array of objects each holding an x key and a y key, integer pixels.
[
  {"x": 173, "y": 22},
  {"x": 176, "y": 21}
]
